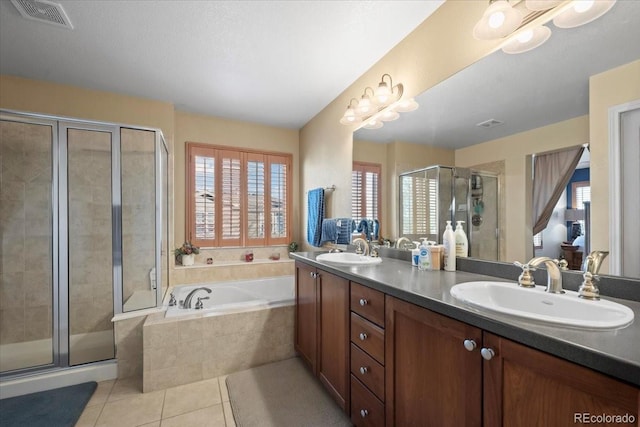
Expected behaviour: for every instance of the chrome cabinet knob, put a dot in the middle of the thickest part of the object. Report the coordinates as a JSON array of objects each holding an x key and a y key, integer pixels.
[
  {"x": 487, "y": 353},
  {"x": 470, "y": 345},
  {"x": 363, "y": 336},
  {"x": 363, "y": 302},
  {"x": 364, "y": 413},
  {"x": 364, "y": 370},
  {"x": 312, "y": 274}
]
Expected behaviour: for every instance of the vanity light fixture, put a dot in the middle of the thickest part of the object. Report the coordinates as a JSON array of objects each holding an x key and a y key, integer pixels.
[
  {"x": 582, "y": 12},
  {"x": 376, "y": 107},
  {"x": 509, "y": 18}
]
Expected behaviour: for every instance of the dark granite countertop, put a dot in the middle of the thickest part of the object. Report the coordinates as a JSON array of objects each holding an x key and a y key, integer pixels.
[{"x": 612, "y": 352}]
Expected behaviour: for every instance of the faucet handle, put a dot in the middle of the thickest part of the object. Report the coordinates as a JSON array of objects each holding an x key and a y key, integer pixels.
[
  {"x": 359, "y": 249},
  {"x": 172, "y": 300},
  {"x": 526, "y": 278},
  {"x": 199, "y": 304}
]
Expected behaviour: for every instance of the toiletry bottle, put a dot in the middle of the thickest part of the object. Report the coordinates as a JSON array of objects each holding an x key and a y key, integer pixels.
[
  {"x": 424, "y": 260},
  {"x": 436, "y": 252},
  {"x": 415, "y": 254},
  {"x": 449, "y": 241},
  {"x": 462, "y": 243}
]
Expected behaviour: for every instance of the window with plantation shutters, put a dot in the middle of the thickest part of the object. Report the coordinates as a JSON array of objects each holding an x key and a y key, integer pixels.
[
  {"x": 237, "y": 197},
  {"x": 421, "y": 193},
  {"x": 365, "y": 191}
]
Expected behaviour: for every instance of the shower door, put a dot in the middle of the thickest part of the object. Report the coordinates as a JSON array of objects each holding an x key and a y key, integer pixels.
[
  {"x": 86, "y": 154},
  {"x": 27, "y": 303}
]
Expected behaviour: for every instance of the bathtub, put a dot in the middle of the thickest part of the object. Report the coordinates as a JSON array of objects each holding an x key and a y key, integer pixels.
[
  {"x": 244, "y": 324},
  {"x": 229, "y": 297}
]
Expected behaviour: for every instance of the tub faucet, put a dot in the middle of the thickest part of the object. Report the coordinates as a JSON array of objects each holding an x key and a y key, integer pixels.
[
  {"x": 187, "y": 301},
  {"x": 554, "y": 276},
  {"x": 359, "y": 240}
]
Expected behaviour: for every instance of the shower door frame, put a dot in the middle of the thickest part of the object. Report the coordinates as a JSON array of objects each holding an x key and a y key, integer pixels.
[{"x": 60, "y": 224}]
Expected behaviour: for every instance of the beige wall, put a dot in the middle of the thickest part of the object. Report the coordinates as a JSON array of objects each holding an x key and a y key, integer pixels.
[
  {"x": 613, "y": 87},
  {"x": 212, "y": 130},
  {"x": 442, "y": 45},
  {"x": 515, "y": 151}
]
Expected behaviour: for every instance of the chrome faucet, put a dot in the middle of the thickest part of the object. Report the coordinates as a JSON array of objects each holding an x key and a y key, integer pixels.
[
  {"x": 554, "y": 276},
  {"x": 359, "y": 249},
  {"x": 400, "y": 243},
  {"x": 187, "y": 301}
]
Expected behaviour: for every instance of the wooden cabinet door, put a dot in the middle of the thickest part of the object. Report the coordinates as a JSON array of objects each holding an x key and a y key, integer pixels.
[
  {"x": 306, "y": 326},
  {"x": 333, "y": 363},
  {"x": 431, "y": 379},
  {"x": 526, "y": 387}
]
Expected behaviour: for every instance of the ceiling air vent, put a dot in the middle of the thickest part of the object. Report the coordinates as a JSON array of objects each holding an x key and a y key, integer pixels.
[
  {"x": 489, "y": 123},
  {"x": 43, "y": 11}
]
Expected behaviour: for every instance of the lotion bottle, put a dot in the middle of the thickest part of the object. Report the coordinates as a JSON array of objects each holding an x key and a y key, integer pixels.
[
  {"x": 462, "y": 243},
  {"x": 449, "y": 242},
  {"x": 424, "y": 260},
  {"x": 415, "y": 254}
]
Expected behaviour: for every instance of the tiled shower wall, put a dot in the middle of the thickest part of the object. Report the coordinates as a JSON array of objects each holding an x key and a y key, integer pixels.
[{"x": 25, "y": 230}]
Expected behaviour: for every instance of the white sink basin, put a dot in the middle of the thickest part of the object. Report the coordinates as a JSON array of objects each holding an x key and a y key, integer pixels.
[
  {"x": 348, "y": 258},
  {"x": 536, "y": 304}
]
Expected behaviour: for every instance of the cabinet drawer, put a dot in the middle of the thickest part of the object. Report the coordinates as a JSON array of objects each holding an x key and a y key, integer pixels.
[
  {"x": 368, "y": 371},
  {"x": 368, "y": 337},
  {"x": 368, "y": 303},
  {"x": 366, "y": 409}
]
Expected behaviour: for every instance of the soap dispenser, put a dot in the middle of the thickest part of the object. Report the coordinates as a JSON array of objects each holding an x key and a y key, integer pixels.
[
  {"x": 462, "y": 243},
  {"x": 449, "y": 242},
  {"x": 415, "y": 254},
  {"x": 424, "y": 259}
]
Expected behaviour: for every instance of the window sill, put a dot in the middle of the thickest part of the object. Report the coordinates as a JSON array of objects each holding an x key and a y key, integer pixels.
[{"x": 232, "y": 263}]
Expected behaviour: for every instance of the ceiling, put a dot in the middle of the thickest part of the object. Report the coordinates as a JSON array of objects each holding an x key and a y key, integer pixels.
[
  {"x": 526, "y": 91},
  {"x": 272, "y": 62}
]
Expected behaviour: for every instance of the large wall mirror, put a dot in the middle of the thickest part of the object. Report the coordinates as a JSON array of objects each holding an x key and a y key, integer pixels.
[{"x": 499, "y": 112}]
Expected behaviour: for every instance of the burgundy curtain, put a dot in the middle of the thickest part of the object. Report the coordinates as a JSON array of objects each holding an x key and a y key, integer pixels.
[{"x": 551, "y": 175}]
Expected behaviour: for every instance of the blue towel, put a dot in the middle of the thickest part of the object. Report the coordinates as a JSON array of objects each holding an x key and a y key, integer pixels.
[
  {"x": 315, "y": 205},
  {"x": 337, "y": 230},
  {"x": 363, "y": 227},
  {"x": 329, "y": 230},
  {"x": 345, "y": 229},
  {"x": 376, "y": 230}
]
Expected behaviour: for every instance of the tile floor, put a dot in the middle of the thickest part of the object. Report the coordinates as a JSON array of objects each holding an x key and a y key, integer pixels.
[{"x": 121, "y": 403}]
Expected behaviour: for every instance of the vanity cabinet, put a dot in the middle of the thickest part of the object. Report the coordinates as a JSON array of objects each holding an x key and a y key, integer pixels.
[
  {"x": 527, "y": 387},
  {"x": 443, "y": 372},
  {"x": 431, "y": 380},
  {"x": 322, "y": 328}
]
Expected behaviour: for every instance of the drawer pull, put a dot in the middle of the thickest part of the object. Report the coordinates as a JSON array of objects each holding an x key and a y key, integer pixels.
[
  {"x": 364, "y": 413},
  {"x": 470, "y": 345},
  {"x": 487, "y": 353},
  {"x": 364, "y": 370},
  {"x": 363, "y": 336},
  {"x": 363, "y": 302}
]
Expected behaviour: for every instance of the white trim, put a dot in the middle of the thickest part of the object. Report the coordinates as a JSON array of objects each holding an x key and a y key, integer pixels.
[{"x": 615, "y": 202}]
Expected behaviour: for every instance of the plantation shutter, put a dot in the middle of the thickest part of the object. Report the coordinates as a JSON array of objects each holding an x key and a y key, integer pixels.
[
  {"x": 356, "y": 195},
  {"x": 255, "y": 200},
  {"x": 365, "y": 191},
  {"x": 408, "y": 197},
  {"x": 230, "y": 209},
  {"x": 276, "y": 210},
  {"x": 201, "y": 196}
]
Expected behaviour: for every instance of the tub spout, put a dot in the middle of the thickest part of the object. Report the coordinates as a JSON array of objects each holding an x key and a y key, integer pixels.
[{"x": 187, "y": 300}]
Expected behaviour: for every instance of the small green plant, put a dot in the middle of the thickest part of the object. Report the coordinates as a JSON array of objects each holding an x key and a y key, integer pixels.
[
  {"x": 187, "y": 249},
  {"x": 293, "y": 247}
]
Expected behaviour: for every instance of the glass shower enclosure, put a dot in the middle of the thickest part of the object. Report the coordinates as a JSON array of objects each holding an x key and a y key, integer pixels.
[
  {"x": 431, "y": 196},
  {"x": 83, "y": 223}
]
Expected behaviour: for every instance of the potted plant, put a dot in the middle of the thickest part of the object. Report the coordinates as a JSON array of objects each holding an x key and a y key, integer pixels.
[{"x": 186, "y": 253}]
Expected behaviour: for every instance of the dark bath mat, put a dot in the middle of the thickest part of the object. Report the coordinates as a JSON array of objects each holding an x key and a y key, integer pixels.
[{"x": 59, "y": 407}]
